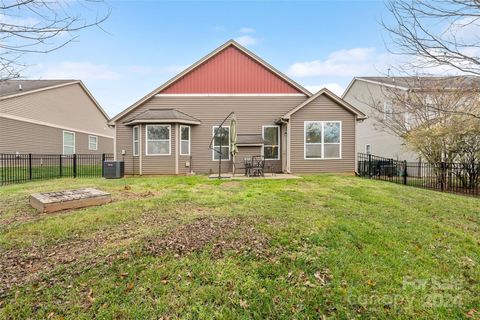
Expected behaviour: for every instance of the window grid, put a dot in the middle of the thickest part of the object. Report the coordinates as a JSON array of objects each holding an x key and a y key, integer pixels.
[
  {"x": 147, "y": 139},
  {"x": 322, "y": 143}
]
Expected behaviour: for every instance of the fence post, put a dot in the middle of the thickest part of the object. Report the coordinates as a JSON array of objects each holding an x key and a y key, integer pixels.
[
  {"x": 404, "y": 171},
  {"x": 369, "y": 165},
  {"x": 60, "y": 165},
  {"x": 75, "y": 165},
  {"x": 103, "y": 161},
  {"x": 442, "y": 176},
  {"x": 30, "y": 166}
]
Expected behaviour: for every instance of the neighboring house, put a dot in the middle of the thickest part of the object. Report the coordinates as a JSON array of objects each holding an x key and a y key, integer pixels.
[
  {"x": 373, "y": 96},
  {"x": 372, "y": 136},
  {"x": 52, "y": 117},
  {"x": 169, "y": 130}
]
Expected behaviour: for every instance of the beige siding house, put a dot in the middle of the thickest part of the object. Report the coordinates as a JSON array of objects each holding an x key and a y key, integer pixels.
[
  {"x": 52, "y": 117},
  {"x": 169, "y": 131},
  {"x": 372, "y": 136}
]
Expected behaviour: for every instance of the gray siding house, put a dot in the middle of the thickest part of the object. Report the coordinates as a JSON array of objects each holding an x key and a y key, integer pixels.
[
  {"x": 372, "y": 136},
  {"x": 170, "y": 129},
  {"x": 52, "y": 117}
]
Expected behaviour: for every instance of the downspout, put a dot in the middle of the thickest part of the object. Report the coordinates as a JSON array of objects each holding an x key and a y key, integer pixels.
[
  {"x": 176, "y": 147},
  {"x": 140, "y": 137},
  {"x": 115, "y": 145},
  {"x": 285, "y": 121},
  {"x": 356, "y": 148},
  {"x": 289, "y": 138}
]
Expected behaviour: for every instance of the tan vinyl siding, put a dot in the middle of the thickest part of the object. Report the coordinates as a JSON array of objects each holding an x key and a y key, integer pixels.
[
  {"x": 24, "y": 137},
  {"x": 67, "y": 106},
  {"x": 252, "y": 112},
  {"x": 322, "y": 109}
]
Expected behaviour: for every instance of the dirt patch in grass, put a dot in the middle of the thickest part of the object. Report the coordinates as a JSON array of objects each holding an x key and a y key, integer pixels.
[
  {"x": 219, "y": 234},
  {"x": 231, "y": 184},
  {"x": 20, "y": 266}
]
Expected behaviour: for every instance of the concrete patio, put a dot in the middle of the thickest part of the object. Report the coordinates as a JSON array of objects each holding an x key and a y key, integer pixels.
[{"x": 241, "y": 176}]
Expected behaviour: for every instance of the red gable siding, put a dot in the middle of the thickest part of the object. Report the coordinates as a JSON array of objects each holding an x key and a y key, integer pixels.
[{"x": 230, "y": 71}]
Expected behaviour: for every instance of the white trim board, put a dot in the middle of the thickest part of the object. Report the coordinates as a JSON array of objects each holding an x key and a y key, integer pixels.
[
  {"x": 42, "y": 123},
  {"x": 369, "y": 81}
]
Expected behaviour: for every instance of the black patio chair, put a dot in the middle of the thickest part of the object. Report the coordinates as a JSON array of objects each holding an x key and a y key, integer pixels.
[{"x": 258, "y": 166}]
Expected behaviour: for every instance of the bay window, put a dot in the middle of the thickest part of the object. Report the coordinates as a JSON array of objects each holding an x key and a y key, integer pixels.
[
  {"x": 158, "y": 139},
  {"x": 185, "y": 140},
  {"x": 136, "y": 140}
]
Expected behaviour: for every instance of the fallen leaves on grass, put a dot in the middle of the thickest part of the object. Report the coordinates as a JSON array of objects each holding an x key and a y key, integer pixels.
[
  {"x": 243, "y": 304},
  {"x": 20, "y": 266},
  {"x": 222, "y": 234},
  {"x": 473, "y": 314},
  {"x": 323, "y": 276}
]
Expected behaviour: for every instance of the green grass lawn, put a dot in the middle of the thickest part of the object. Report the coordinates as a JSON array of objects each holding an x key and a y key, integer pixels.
[
  {"x": 12, "y": 174},
  {"x": 188, "y": 247}
]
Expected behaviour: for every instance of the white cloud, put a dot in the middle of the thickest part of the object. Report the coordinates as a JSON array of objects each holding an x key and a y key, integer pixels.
[
  {"x": 246, "y": 40},
  {"x": 18, "y": 21},
  {"x": 75, "y": 70},
  {"x": 247, "y": 30},
  {"x": 346, "y": 62},
  {"x": 466, "y": 30},
  {"x": 334, "y": 87}
]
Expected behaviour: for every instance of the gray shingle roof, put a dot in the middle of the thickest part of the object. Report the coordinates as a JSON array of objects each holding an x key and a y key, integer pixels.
[
  {"x": 162, "y": 116},
  {"x": 451, "y": 82},
  {"x": 11, "y": 87}
]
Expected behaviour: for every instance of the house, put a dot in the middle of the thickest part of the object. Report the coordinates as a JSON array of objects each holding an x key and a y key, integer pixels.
[
  {"x": 169, "y": 131},
  {"x": 377, "y": 97},
  {"x": 52, "y": 117}
]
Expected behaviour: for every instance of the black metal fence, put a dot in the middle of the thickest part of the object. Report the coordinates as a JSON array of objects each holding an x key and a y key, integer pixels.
[
  {"x": 17, "y": 168},
  {"x": 461, "y": 178}
]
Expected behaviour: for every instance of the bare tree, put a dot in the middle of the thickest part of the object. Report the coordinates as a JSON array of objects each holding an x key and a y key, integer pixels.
[
  {"x": 441, "y": 33},
  {"x": 439, "y": 117},
  {"x": 42, "y": 26}
]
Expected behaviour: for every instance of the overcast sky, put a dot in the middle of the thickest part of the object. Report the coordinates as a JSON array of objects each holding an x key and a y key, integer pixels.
[{"x": 317, "y": 43}]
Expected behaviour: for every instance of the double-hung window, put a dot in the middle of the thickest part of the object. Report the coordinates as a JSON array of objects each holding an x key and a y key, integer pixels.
[
  {"x": 221, "y": 138},
  {"x": 157, "y": 139},
  {"x": 185, "y": 140},
  {"x": 136, "y": 140},
  {"x": 271, "y": 144},
  {"x": 68, "y": 142},
  {"x": 323, "y": 140},
  {"x": 92, "y": 143}
]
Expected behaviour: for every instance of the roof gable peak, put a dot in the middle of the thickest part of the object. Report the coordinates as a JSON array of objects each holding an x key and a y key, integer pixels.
[{"x": 276, "y": 77}]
